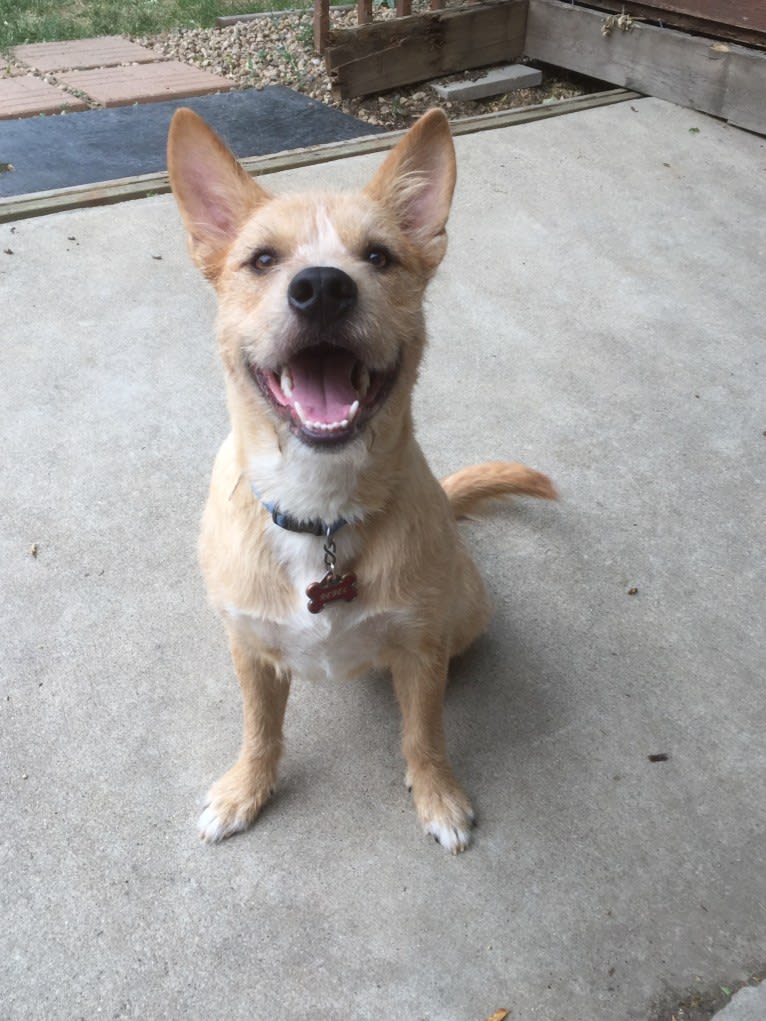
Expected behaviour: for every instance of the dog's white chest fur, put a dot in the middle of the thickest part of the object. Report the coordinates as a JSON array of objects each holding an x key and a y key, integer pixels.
[
  {"x": 342, "y": 641},
  {"x": 336, "y": 643}
]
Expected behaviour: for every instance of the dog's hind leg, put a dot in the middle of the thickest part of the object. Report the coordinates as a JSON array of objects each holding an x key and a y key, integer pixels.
[
  {"x": 470, "y": 608},
  {"x": 445, "y": 812},
  {"x": 234, "y": 801}
]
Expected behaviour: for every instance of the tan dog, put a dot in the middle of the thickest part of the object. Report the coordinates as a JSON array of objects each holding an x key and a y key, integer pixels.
[{"x": 321, "y": 485}]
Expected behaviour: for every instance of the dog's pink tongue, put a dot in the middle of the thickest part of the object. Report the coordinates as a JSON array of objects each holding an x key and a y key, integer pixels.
[{"x": 322, "y": 384}]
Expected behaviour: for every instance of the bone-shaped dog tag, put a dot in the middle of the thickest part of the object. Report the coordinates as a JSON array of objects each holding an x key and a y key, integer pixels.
[{"x": 330, "y": 589}]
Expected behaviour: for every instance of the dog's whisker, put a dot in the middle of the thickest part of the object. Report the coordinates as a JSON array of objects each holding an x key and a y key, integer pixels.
[{"x": 236, "y": 484}]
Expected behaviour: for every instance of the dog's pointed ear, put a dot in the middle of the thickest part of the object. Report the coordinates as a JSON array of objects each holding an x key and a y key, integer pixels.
[
  {"x": 417, "y": 180},
  {"x": 213, "y": 192}
]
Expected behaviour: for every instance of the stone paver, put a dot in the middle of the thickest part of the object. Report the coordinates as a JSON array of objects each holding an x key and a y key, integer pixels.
[
  {"x": 26, "y": 96},
  {"x": 119, "y": 86},
  {"x": 108, "y": 70},
  {"x": 103, "y": 51},
  {"x": 494, "y": 83}
]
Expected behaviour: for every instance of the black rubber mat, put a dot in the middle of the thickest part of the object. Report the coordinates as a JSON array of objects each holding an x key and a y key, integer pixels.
[{"x": 104, "y": 145}]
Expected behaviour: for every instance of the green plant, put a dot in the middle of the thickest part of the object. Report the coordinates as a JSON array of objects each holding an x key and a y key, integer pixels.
[{"x": 27, "y": 21}]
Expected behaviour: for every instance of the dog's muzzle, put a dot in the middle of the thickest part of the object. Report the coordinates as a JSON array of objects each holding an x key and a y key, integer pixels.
[{"x": 324, "y": 388}]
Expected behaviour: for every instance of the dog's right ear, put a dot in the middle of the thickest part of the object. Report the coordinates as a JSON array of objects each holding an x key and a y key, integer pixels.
[{"x": 213, "y": 192}]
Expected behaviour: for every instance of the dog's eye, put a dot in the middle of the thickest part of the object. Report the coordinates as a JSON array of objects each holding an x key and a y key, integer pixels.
[
  {"x": 378, "y": 256},
  {"x": 263, "y": 260}
]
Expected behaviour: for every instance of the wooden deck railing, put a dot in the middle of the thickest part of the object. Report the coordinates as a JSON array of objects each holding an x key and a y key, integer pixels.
[{"x": 364, "y": 15}]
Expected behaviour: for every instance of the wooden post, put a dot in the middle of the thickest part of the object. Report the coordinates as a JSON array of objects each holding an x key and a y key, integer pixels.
[
  {"x": 403, "y": 8},
  {"x": 364, "y": 11},
  {"x": 399, "y": 51},
  {"x": 321, "y": 24}
]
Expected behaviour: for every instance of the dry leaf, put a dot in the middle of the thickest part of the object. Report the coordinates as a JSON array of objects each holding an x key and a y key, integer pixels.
[{"x": 499, "y": 1015}]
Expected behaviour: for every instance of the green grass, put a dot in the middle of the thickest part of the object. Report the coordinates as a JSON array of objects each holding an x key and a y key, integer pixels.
[{"x": 34, "y": 21}]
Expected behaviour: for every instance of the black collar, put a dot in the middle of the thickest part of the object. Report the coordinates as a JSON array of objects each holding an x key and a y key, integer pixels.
[{"x": 314, "y": 526}]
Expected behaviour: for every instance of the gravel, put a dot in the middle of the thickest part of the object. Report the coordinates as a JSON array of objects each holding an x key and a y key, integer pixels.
[{"x": 278, "y": 50}]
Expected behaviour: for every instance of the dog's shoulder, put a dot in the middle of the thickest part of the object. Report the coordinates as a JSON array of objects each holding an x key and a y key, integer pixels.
[{"x": 241, "y": 569}]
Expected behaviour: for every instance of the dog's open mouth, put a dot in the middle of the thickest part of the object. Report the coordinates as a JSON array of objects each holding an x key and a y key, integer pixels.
[{"x": 326, "y": 391}]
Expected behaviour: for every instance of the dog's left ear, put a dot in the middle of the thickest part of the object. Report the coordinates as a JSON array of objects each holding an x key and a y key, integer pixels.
[{"x": 417, "y": 180}]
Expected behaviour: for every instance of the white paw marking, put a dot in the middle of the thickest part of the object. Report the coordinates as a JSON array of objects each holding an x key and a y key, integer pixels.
[
  {"x": 212, "y": 829},
  {"x": 452, "y": 838}
]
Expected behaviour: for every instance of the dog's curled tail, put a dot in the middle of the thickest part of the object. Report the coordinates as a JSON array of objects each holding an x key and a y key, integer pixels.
[{"x": 469, "y": 487}]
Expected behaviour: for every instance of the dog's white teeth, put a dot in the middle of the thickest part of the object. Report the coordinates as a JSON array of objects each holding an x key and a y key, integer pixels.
[
  {"x": 327, "y": 426},
  {"x": 300, "y": 413},
  {"x": 286, "y": 382}
]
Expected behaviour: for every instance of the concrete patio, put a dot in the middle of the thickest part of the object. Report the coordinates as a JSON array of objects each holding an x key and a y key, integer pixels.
[{"x": 600, "y": 315}]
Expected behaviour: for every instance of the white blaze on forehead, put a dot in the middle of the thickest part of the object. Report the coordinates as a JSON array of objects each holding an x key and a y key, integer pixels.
[{"x": 322, "y": 246}]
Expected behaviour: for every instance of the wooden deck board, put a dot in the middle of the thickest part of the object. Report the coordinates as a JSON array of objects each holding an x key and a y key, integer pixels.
[{"x": 718, "y": 78}]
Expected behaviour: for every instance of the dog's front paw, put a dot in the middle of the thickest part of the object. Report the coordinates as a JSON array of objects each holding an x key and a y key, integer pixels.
[
  {"x": 445, "y": 812},
  {"x": 452, "y": 830},
  {"x": 234, "y": 802}
]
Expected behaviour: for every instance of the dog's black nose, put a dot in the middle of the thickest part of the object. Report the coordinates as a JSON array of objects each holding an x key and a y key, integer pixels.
[{"x": 322, "y": 294}]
